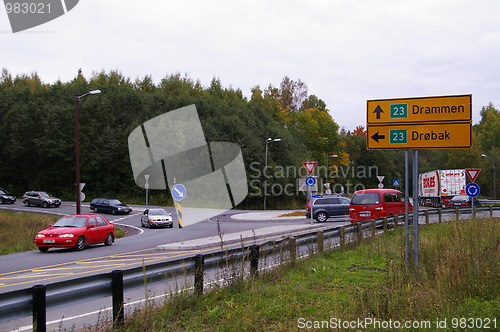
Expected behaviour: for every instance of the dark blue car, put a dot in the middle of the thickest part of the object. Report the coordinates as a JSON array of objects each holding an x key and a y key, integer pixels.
[{"x": 6, "y": 198}]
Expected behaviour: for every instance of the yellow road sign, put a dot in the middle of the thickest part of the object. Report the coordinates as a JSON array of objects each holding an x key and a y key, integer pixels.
[
  {"x": 419, "y": 136},
  {"x": 421, "y": 109}
]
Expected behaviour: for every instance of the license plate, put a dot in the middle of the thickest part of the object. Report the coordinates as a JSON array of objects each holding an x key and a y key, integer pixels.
[
  {"x": 365, "y": 214},
  {"x": 49, "y": 241}
]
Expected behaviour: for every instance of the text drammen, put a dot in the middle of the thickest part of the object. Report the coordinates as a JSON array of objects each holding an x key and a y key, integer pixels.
[{"x": 438, "y": 109}]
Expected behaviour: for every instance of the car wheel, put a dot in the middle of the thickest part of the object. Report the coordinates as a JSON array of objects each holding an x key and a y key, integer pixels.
[
  {"x": 109, "y": 240},
  {"x": 80, "y": 243},
  {"x": 26, "y": 203},
  {"x": 148, "y": 225},
  {"x": 45, "y": 204},
  {"x": 321, "y": 216},
  {"x": 43, "y": 249},
  {"x": 113, "y": 211}
]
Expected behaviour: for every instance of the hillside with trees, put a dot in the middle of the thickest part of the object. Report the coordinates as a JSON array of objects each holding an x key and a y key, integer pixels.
[{"x": 37, "y": 135}]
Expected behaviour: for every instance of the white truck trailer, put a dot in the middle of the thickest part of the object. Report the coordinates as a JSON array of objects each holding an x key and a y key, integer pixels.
[{"x": 437, "y": 187}]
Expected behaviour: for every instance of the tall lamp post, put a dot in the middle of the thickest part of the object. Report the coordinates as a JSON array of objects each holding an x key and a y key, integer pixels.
[
  {"x": 77, "y": 147},
  {"x": 269, "y": 140},
  {"x": 326, "y": 172},
  {"x": 494, "y": 173},
  {"x": 327, "y": 165}
]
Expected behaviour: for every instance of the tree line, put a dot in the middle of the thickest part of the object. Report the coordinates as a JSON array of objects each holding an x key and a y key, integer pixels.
[{"x": 37, "y": 136}]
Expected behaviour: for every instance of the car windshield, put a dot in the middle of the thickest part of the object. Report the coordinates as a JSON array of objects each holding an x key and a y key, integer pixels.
[
  {"x": 365, "y": 198},
  {"x": 158, "y": 212},
  {"x": 3, "y": 192},
  {"x": 45, "y": 195},
  {"x": 71, "y": 221},
  {"x": 114, "y": 202}
]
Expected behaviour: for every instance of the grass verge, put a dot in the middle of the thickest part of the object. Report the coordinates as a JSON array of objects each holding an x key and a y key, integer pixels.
[{"x": 458, "y": 277}]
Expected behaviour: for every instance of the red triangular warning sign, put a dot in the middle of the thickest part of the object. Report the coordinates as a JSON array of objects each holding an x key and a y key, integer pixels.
[
  {"x": 473, "y": 173},
  {"x": 310, "y": 166}
]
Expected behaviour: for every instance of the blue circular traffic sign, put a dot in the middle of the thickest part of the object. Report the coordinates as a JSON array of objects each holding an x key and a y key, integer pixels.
[
  {"x": 472, "y": 189},
  {"x": 310, "y": 181},
  {"x": 179, "y": 192}
]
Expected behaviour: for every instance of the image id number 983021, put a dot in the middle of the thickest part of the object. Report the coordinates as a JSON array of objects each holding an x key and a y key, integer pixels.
[
  {"x": 473, "y": 323},
  {"x": 27, "y": 7}
]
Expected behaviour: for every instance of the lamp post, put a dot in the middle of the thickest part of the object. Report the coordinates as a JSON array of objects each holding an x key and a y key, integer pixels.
[
  {"x": 326, "y": 173},
  {"x": 327, "y": 166},
  {"x": 269, "y": 140},
  {"x": 494, "y": 174},
  {"x": 77, "y": 147}
]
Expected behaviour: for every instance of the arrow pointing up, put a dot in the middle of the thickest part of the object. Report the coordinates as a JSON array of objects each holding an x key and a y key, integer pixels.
[
  {"x": 376, "y": 137},
  {"x": 377, "y": 111}
]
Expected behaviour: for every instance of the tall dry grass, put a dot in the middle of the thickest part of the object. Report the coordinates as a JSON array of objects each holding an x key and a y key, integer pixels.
[
  {"x": 459, "y": 266},
  {"x": 17, "y": 230}
]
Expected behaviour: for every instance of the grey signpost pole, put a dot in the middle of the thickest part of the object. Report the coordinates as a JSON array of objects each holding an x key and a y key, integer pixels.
[
  {"x": 415, "y": 208},
  {"x": 311, "y": 203},
  {"x": 407, "y": 226},
  {"x": 146, "y": 185}
]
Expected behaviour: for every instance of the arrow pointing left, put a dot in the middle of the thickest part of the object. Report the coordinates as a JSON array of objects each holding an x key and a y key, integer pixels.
[{"x": 376, "y": 137}]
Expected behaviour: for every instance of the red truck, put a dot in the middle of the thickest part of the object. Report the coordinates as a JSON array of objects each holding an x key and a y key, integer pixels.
[{"x": 436, "y": 188}]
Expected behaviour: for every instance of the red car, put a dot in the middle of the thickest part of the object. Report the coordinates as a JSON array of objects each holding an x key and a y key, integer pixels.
[
  {"x": 76, "y": 231},
  {"x": 371, "y": 204}
]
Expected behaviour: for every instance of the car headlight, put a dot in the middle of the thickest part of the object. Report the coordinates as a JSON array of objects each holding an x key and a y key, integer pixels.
[
  {"x": 66, "y": 235},
  {"x": 39, "y": 235}
]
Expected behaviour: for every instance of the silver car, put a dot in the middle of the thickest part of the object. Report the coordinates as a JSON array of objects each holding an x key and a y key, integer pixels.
[
  {"x": 156, "y": 218},
  {"x": 40, "y": 198}
]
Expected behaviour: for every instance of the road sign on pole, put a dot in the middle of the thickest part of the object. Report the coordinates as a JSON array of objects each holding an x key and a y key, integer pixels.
[
  {"x": 310, "y": 166},
  {"x": 419, "y": 123},
  {"x": 310, "y": 181},
  {"x": 472, "y": 189},
  {"x": 178, "y": 192},
  {"x": 473, "y": 173},
  {"x": 420, "y": 109},
  {"x": 419, "y": 136}
]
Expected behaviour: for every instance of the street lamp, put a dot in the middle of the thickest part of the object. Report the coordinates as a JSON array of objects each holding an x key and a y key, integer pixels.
[
  {"x": 77, "y": 147},
  {"x": 494, "y": 173},
  {"x": 269, "y": 140},
  {"x": 326, "y": 172},
  {"x": 327, "y": 166}
]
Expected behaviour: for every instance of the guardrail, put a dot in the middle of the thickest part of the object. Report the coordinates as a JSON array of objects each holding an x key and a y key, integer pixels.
[
  {"x": 35, "y": 300},
  {"x": 489, "y": 201}
]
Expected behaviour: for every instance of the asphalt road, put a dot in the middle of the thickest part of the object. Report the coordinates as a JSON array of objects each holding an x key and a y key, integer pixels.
[{"x": 26, "y": 269}]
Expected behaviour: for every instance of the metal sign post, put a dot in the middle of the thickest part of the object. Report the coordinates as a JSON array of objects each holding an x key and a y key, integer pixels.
[
  {"x": 415, "y": 208},
  {"x": 310, "y": 182},
  {"x": 407, "y": 202},
  {"x": 146, "y": 185},
  {"x": 472, "y": 190},
  {"x": 178, "y": 194},
  {"x": 411, "y": 231}
]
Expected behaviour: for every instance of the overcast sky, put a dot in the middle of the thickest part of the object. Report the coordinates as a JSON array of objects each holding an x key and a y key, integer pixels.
[{"x": 346, "y": 51}]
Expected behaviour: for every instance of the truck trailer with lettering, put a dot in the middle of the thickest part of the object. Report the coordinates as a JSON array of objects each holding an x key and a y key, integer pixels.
[{"x": 437, "y": 187}]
